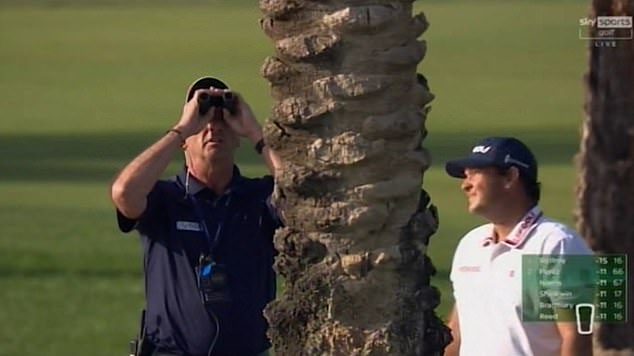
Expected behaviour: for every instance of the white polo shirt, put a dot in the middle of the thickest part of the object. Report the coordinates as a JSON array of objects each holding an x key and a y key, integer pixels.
[{"x": 487, "y": 283}]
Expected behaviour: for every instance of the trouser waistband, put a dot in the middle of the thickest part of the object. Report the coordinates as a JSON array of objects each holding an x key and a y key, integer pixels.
[{"x": 161, "y": 353}]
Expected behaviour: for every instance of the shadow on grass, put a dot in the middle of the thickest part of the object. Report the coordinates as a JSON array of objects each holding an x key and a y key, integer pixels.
[
  {"x": 87, "y": 157},
  {"x": 79, "y": 273},
  {"x": 99, "y": 156},
  {"x": 551, "y": 147}
]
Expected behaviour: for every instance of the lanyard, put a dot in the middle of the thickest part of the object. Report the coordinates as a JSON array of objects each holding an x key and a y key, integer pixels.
[
  {"x": 525, "y": 228},
  {"x": 220, "y": 215},
  {"x": 519, "y": 233}
]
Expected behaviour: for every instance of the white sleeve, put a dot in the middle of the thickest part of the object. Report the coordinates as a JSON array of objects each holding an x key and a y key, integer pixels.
[
  {"x": 456, "y": 259},
  {"x": 563, "y": 241}
]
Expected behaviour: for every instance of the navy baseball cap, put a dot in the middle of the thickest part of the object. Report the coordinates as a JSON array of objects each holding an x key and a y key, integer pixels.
[
  {"x": 204, "y": 83},
  {"x": 504, "y": 152}
]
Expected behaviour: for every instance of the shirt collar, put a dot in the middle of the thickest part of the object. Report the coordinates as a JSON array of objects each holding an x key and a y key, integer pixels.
[
  {"x": 194, "y": 186},
  {"x": 521, "y": 231}
]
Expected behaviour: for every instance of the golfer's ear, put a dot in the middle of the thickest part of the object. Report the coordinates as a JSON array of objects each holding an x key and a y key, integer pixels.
[{"x": 512, "y": 176}]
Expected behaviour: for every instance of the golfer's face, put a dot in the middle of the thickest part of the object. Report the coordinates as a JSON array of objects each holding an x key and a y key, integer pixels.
[
  {"x": 483, "y": 188},
  {"x": 216, "y": 140}
]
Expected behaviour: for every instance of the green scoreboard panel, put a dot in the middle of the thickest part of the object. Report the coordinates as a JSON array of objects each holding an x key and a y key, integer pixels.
[{"x": 574, "y": 288}]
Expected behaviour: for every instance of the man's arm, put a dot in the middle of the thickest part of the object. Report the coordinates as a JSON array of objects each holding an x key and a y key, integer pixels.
[
  {"x": 572, "y": 343},
  {"x": 453, "y": 349},
  {"x": 130, "y": 189},
  {"x": 243, "y": 122},
  {"x": 271, "y": 160},
  {"x": 567, "y": 274}
]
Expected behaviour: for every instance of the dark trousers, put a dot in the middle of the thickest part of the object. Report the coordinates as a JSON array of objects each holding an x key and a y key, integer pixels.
[{"x": 159, "y": 353}]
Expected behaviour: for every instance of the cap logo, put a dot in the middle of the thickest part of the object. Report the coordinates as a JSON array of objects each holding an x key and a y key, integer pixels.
[
  {"x": 509, "y": 159},
  {"x": 481, "y": 149}
]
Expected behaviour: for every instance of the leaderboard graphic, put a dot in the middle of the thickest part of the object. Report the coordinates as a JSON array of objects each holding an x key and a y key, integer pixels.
[{"x": 576, "y": 288}]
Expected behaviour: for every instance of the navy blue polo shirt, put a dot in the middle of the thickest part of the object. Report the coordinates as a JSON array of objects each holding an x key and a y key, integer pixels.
[{"x": 173, "y": 239}]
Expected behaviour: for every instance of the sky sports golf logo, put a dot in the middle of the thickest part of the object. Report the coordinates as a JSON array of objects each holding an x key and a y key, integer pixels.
[{"x": 605, "y": 31}]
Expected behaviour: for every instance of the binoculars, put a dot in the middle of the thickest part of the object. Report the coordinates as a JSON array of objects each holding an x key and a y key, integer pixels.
[{"x": 226, "y": 101}]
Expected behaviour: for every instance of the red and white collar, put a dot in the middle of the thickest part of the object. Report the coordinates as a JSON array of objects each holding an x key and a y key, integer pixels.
[{"x": 521, "y": 231}]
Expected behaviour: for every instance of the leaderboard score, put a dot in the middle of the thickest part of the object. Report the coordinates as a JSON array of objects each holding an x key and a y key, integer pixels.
[
  {"x": 576, "y": 288},
  {"x": 611, "y": 295}
]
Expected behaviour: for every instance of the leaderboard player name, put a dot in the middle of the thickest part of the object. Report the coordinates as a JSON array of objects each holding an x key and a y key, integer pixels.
[
  {"x": 548, "y": 317},
  {"x": 550, "y": 284},
  {"x": 551, "y": 260},
  {"x": 545, "y": 305},
  {"x": 549, "y": 272}
]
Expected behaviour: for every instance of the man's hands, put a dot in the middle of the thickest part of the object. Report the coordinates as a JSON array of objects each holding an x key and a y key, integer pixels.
[
  {"x": 242, "y": 121},
  {"x": 191, "y": 122}
]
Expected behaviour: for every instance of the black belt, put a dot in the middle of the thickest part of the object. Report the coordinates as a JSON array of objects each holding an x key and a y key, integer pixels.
[{"x": 162, "y": 353}]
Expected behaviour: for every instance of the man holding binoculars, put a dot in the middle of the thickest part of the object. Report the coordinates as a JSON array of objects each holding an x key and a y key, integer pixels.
[{"x": 206, "y": 232}]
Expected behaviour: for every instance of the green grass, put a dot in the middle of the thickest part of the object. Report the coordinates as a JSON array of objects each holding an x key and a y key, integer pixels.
[{"x": 83, "y": 88}]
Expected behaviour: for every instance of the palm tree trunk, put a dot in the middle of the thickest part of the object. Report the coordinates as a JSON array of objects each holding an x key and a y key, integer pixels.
[
  {"x": 347, "y": 122},
  {"x": 605, "y": 188}
]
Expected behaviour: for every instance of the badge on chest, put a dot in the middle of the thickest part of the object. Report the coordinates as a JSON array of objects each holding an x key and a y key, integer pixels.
[{"x": 188, "y": 226}]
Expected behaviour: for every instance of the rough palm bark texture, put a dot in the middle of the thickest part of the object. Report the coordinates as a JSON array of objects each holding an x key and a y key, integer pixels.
[
  {"x": 347, "y": 122},
  {"x": 605, "y": 190}
]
